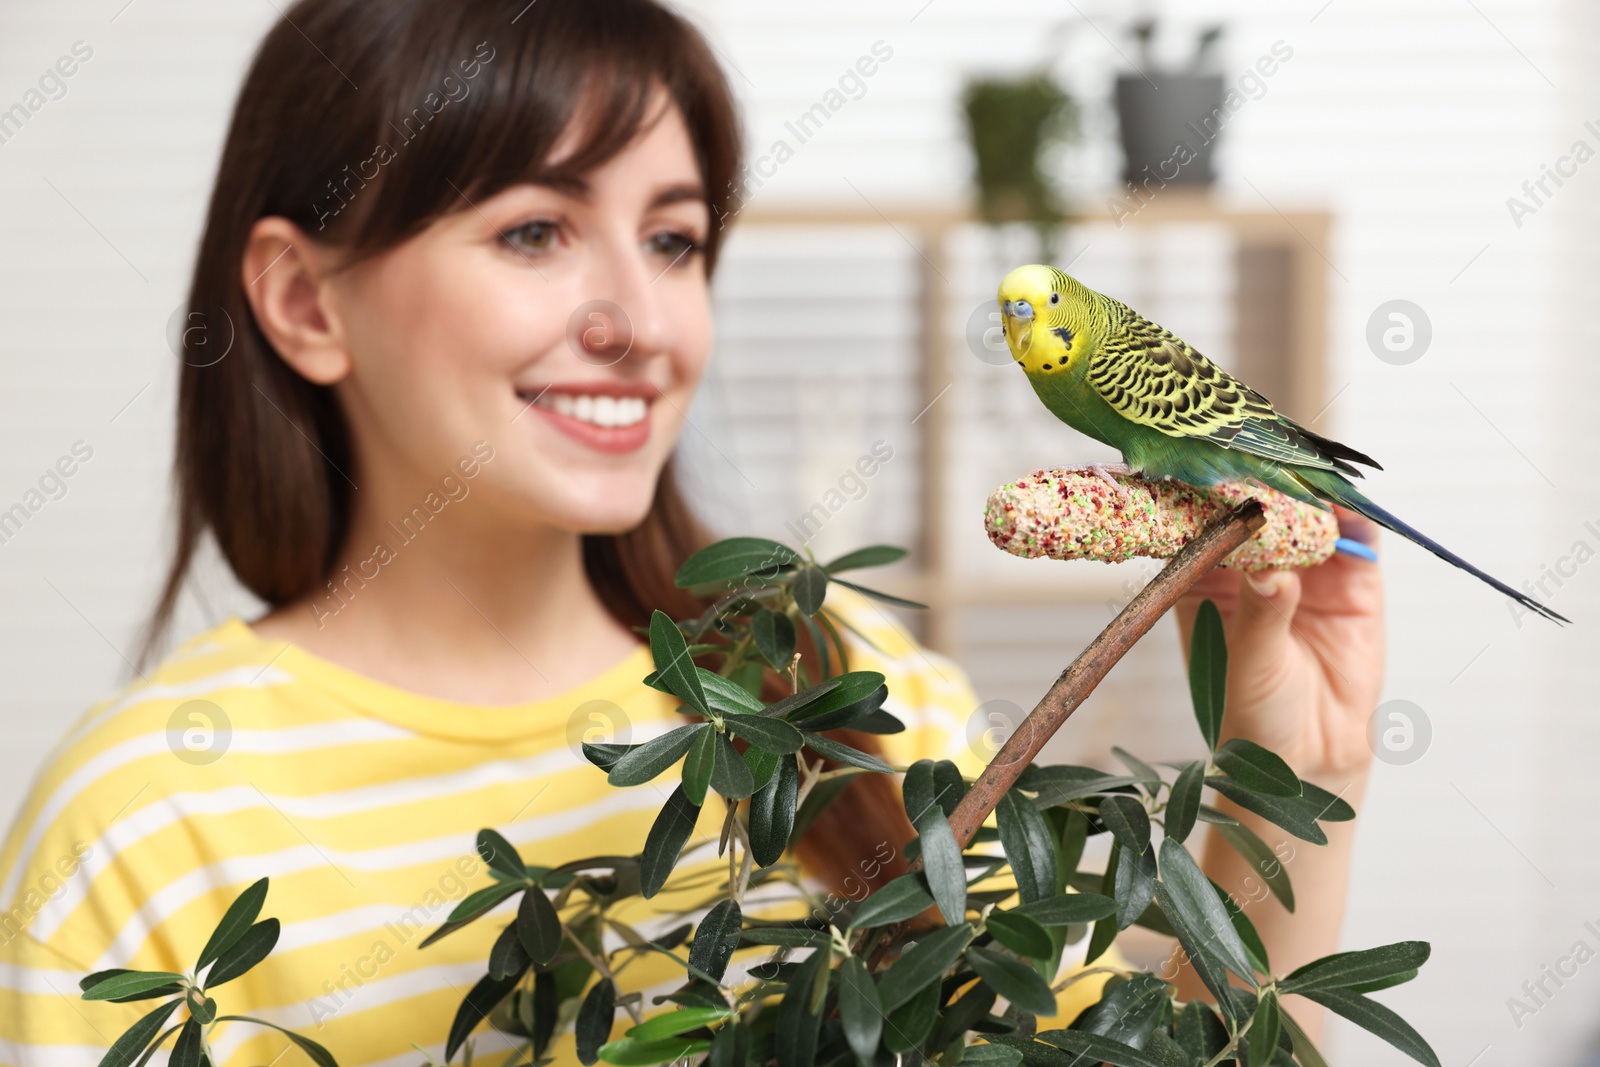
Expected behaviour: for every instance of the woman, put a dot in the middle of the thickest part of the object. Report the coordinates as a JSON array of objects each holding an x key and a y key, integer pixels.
[{"x": 451, "y": 484}]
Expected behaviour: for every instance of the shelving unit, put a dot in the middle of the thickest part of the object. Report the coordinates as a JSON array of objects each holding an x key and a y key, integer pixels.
[{"x": 1272, "y": 334}]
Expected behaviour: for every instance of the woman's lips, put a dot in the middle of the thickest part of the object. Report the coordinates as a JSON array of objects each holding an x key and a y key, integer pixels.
[{"x": 611, "y": 417}]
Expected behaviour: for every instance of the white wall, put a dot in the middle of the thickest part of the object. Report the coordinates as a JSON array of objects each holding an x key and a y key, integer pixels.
[{"x": 1413, "y": 121}]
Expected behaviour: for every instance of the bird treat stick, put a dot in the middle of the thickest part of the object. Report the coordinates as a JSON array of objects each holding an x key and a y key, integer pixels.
[{"x": 1079, "y": 513}]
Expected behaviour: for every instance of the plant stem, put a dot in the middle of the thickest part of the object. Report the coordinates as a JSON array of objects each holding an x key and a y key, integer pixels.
[
  {"x": 602, "y": 967},
  {"x": 1074, "y": 684}
]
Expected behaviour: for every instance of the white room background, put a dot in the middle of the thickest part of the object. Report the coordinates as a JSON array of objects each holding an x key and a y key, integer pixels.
[{"x": 1413, "y": 122}]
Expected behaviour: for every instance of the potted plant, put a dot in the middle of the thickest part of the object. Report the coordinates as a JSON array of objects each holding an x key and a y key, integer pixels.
[
  {"x": 917, "y": 970},
  {"x": 1010, "y": 125},
  {"x": 1160, "y": 109}
]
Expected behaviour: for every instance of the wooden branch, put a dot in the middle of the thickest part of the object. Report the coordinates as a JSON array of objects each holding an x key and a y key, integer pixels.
[{"x": 1074, "y": 684}]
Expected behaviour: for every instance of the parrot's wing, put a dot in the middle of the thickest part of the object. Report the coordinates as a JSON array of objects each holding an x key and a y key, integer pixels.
[{"x": 1152, "y": 377}]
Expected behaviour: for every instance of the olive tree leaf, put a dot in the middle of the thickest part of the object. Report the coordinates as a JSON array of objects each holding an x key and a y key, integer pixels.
[
  {"x": 798, "y": 1018},
  {"x": 726, "y": 695},
  {"x": 665, "y": 841},
  {"x": 1377, "y": 1019},
  {"x": 730, "y": 776},
  {"x": 187, "y": 1050},
  {"x": 924, "y": 962},
  {"x": 909, "y": 1025},
  {"x": 942, "y": 865},
  {"x": 716, "y": 937},
  {"x": 1260, "y": 857},
  {"x": 627, "y": 1052},
  {"x": 507, "y": 957},
  {"x": 250, "y": 949},
  {"x": 125, "y": 1049},
  {"x": 472, "y": 906},
  {"x": 596, "y": 1015},
  {"x": 501, "y": 855},
  {"x": 840, "y": 752},
  {"x": 318, "y": 1054},
  {"x": 480, "y": 1000},
  {"x": 878, "y": 594},
  {"x": 772, "y": 810},
  {"x": 840, "y": 692},
  {"x": 697, "y": 764},
  {"x": 731, "y": 558},
  {"x": 1257, "y": 768},
  {"x": 902, "y": 898},
  {"x": 672, "y": 1023},
  {"x": 538, "y": 926},
  {"x": 1011, "y": 978},
  {"x": 774, "y": 636},
  {"x": 1135, "y": 885},
  {"x": 1305, "y": 1052},
  {"x": 239, "y": 917},
  {"x": 1068, "y": 909},
  {"x": 1208, "y": 671},
  {"x": 917, "y": 791},
  {"x": 1028, "y": 846},
  {"x": 1330, "y": 808},
  {"x": 1344, "y": 970},
  {"x": 1098, "y": 1049},
  {"x": 1020, "y": 933},
  {"x": 1196, "y": 908},
  {"x": 1294, "y": 814},
  {"x": 1264, "y": 1031},
  {"x": 991, "y": 1056},
  {"x": 774, "y": 735},
  {"x": 1183, "y": 800},
  {"x": 674, "y": 668},
  {"x": 643, "y": 762},
  {"x": 870, "y": 556},
  {"x": 125, "y": 984},
  {"x": 1127, "y": 820},
  {"x": 860, "y": 1010},
  {"x": 1148, "y": 776},
  {"x": 810, "y": 588}
]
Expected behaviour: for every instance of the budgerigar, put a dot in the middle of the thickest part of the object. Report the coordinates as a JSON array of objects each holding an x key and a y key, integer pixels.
[{"x": 1107, "y": 371}]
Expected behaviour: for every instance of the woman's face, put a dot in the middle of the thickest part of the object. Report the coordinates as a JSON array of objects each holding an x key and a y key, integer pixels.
[{"x": 566, "y": 327}]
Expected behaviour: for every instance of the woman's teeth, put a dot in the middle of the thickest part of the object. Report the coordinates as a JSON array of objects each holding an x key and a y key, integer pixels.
[{"x": 611, "y": 411}]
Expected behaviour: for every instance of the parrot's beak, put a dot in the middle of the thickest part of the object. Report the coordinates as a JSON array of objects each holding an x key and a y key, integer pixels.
[{"x": 1018, "y": 315}]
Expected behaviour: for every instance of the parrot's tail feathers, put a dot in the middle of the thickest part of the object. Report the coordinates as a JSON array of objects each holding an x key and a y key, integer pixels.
[
  {"x": 1337, "y": 451},
  {"x": 1343, "y": 493}
]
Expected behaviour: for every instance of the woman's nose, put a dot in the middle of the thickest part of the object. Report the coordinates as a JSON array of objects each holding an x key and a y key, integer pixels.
[{"x": 630, "y": 318}]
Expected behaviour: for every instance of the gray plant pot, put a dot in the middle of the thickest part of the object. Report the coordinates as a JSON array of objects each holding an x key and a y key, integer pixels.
[{"x": 1155, "y": 119}]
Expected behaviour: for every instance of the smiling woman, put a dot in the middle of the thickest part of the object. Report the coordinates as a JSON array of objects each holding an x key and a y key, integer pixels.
[{"x": 530, "y": 274}]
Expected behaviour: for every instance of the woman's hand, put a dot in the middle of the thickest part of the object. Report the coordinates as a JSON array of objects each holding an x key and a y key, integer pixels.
[
  {"x": 1305, "y": 656},
  {"x": 1305, "y": 667}
]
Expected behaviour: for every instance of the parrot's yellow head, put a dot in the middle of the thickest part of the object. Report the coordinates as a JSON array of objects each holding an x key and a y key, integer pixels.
[{"x": 1051, "y": 319}]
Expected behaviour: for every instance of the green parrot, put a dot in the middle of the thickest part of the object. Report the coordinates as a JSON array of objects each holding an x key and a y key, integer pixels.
[{"x": 1109, "y": 372}]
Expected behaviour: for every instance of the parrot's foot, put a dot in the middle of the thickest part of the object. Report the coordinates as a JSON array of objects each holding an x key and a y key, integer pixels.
[{"x": 1105, "y": 471}]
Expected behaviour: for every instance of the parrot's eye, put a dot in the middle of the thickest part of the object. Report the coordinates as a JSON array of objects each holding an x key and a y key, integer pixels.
[{"x": 1055, "y": 298}]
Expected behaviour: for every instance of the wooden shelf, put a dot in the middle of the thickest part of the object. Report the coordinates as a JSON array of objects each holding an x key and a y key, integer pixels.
[{"x": 1280, "y": 312}]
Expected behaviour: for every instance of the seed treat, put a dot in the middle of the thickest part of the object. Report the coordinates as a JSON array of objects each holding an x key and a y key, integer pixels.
[{"x": 1074, "y": 513}]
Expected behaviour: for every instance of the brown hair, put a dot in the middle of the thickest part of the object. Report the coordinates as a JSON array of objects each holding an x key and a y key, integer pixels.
[{"x": 259, "y": 448}]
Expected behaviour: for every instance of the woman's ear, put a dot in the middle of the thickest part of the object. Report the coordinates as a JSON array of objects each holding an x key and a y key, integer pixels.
[{"x": 284, "y": 277}]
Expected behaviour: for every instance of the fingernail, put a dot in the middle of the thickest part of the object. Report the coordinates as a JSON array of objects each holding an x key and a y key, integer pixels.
[
  {"x": 1355, "y": 548},
  {"x": 1265, "y": 587}
]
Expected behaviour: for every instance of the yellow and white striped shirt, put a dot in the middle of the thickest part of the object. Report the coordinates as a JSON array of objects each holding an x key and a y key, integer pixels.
[{"x": 241, "y": 758}]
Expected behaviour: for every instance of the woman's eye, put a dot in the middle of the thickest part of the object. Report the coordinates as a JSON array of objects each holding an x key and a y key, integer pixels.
[
  {"x": 673, "y": 245},
  {"x": 535, "y": 236}
]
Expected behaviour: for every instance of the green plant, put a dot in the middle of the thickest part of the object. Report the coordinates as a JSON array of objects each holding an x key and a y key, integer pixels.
[
  {"x": 916, "y": 968},
  {"x": 1010, "y": 124},
  {"x": 237, "y": 944}
]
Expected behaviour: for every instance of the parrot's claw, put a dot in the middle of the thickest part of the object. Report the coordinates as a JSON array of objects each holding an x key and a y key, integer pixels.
[{"x": 1104, "y": 473}]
